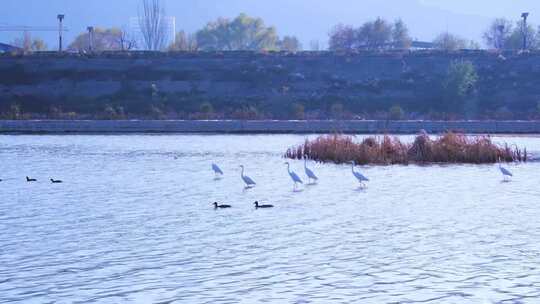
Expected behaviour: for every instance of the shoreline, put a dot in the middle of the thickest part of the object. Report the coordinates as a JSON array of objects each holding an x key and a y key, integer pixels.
[{"x": 264, "y": 126}]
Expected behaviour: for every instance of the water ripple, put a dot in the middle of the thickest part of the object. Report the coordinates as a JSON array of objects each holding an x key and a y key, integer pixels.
[{"x": 133, "y": 222}]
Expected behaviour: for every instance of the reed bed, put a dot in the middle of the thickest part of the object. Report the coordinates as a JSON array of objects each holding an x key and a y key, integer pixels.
[{"x": 386, "y": 150}]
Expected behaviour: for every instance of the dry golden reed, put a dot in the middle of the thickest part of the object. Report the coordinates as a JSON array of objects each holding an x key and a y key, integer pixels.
[{"x": 386, "y": 150}]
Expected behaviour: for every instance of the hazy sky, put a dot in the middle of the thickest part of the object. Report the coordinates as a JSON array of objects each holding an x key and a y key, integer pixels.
[{"x": 308, "y": 19}]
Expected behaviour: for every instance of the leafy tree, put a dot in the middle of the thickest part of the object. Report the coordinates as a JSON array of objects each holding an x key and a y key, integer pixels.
[
  {"x": 184, "y": 42},
  {"x": 103, "y": 40},
  {"x": 502, "y": 34},
  {"x": 372, "y": 35},
  {"x": 459, "y": 83},
  {"x": 498, "y": 33},
  {"x": 242, "y": 33},
  {"x": 342, "y": 37},
  {"x": 449, "y": 42},
  {"x": 29, "y": 44},
  {"x": 515, "y": 40},
  {"x": 400, "y": 35},
  {"x": 290, "y": 44}
]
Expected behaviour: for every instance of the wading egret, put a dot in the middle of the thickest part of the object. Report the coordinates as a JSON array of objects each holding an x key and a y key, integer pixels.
[
  {"x": 309, "y": 173},
  {"x": 257, "y": 206},
  {"x": 218, "y": 206},
  {"x": 249, "y": 182},
  {"x": 56, "y": 181},
  {"x": 217, "y": 170},
  {"x": 504, "y": 172},
  {"x": 361, "y": 178},
  {"x": 293, "y": 176},
  {"x": 28, "y": 179}
]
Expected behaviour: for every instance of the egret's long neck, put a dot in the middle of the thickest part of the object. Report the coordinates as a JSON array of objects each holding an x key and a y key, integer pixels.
[
  {"x": 242, "y": 172},
  {"x": 288, "y": 168},
  {"x": 352, "y": 167},
  {"x": 305, "y": 163}
]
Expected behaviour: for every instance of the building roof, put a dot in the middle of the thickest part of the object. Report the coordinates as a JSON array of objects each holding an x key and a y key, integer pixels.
[{"x": 4, "y": 48}]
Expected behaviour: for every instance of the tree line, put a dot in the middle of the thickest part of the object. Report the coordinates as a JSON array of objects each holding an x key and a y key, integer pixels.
[{"x": 252, "y": 34}]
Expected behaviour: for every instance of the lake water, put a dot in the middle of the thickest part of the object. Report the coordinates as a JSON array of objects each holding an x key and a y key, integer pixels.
[{"x": 133, "y": 222}]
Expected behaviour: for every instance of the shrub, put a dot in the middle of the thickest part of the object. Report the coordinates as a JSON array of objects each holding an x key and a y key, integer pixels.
[
  {"x": 298, "y": 111},
  {"x": 14, "y": 112},
  {"x": 109, "y": 113},
  {"x": 248, "y": 112},
  {"x": 156, "y": 112},
  {"x": 396, "y": 113},
  {"x": 206, "y": 108},
  {"x": 459, "y": 83},
  {"x": 336, "y": 110}
]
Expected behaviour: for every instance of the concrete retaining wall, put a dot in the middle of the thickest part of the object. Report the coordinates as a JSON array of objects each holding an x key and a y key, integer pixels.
[
  {"x": 274, "y": 84},
  {"x": 238, "y": 126}
]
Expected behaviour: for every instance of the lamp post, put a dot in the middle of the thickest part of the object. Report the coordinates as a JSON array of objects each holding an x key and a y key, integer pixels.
[
  {"x": 60, "y": 18},
  {"x": 524, "y": 30},
  {"x": 90, "y": 37}
]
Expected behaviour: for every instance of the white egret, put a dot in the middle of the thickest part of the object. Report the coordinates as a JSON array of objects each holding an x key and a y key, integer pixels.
[
  {"x": 293, "y": 176},
  {"x": 505, "y": 172},
  {"x": 249, "y": 182},
  {"x": 257, "y": 206},
  {"x": 359, "y": 176},
  {"x": 309, "y": 173},
  {"x": 217, "y": 170}
]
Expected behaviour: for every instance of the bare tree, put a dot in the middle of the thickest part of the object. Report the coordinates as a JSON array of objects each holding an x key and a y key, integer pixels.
[
  {"x": 498, "y": 33},
  {"x": 152, "y": 24},
  {"x": 126, "y": 40}
]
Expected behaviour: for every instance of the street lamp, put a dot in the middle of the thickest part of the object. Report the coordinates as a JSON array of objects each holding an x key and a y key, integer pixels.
[
  {"x": 60, "y": 18},
  {"x": 90, "y": 37},
  {"x": 524, "y": 30}
]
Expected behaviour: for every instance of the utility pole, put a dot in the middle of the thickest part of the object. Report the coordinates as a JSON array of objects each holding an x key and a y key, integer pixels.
[
  {"x": 90, "y": 37},
  {"x": 524, "y": 30},
  {"x": 60, "y": 18}
]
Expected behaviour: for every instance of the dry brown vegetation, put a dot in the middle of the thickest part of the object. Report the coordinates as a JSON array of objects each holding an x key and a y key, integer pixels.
[{"x": 385, "y": 150}]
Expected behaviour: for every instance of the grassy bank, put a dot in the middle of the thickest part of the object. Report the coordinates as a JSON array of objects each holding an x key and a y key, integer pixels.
[{"x": 386, "y": 150}]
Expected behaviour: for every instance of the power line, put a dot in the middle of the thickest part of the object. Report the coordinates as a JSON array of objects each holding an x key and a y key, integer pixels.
[{"x": 25, "y": 28}]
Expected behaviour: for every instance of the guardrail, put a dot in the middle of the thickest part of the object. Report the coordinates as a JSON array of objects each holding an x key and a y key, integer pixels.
[{"x": 265, "y": 126}]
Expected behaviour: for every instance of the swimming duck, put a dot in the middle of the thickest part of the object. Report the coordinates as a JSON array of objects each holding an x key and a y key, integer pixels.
[
  {"x": 257, "y": 206},
  {"x": 218, "y": 206}
]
